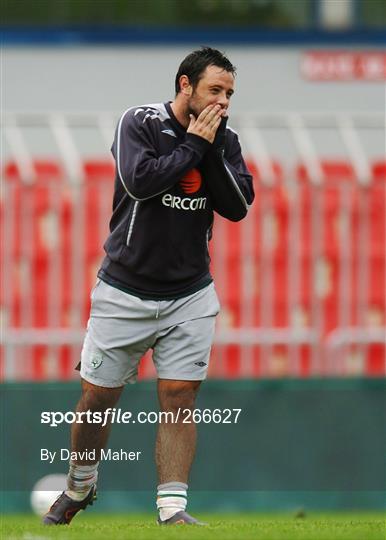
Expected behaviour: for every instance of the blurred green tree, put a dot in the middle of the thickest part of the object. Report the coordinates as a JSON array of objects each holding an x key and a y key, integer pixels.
[{"x": 265, "y": 13}]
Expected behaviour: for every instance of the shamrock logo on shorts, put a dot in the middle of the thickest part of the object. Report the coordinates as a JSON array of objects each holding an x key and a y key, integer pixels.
[{"x": 96, "y": 360}]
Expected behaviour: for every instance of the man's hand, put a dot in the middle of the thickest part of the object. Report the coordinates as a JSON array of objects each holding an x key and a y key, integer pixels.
[{"x": 206, "y": 124}]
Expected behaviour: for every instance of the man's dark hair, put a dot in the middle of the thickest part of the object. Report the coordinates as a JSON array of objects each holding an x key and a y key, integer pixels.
[{"x": 196, "y": 62}]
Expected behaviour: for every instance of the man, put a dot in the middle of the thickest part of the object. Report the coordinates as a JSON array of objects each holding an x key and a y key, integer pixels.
[{"x": 176, "y": 163}]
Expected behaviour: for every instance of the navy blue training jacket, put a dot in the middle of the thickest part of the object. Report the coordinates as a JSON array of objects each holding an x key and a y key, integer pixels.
[{"x": 168, "y": 184}]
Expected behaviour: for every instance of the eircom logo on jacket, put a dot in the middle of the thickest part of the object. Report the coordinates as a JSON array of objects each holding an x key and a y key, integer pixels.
[{"x": 190, "y": 184}]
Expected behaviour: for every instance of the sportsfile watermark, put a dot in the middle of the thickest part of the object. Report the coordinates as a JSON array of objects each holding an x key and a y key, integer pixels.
[
  {"x": 291, "y": 436},
  {"x": 118, "y": 416}
]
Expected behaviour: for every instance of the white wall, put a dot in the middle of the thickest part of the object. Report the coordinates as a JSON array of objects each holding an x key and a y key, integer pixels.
[{"x": 113, "y": 78}]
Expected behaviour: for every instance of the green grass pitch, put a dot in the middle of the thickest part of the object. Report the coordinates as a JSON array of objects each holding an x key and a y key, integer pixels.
[{"x": 333, "y": 526}]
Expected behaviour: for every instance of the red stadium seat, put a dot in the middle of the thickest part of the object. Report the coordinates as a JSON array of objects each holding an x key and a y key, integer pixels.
[
  {"x": 53, "y": 231},
  {"x": 98, "y": 194},
  {"x": 276, "y": 167},
  {"x": 337, "y": 170},
  {"x": 99, "y": 169},
  {"x": 377, "y": 208},
  {"x": 43, "y": 170},
  {"x": 47, "y": 208},
  {"x": 337, "y": 198},
  {"x": 378, "y": 169}
]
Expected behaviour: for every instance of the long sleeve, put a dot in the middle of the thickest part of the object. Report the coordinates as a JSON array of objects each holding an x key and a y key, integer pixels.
[
  {"x": 229, "y": 181},
  {"x": 143, "y": 172}
]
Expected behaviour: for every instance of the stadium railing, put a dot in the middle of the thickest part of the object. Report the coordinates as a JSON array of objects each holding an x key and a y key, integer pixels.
[{"x": 301, "y": 281}]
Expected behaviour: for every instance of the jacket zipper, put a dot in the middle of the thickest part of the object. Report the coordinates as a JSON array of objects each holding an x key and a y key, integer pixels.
[{"x": 131, "y": 226}]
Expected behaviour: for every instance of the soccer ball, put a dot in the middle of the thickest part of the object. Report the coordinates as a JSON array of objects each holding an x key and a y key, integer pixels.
[{"x": 45, "y": 492}]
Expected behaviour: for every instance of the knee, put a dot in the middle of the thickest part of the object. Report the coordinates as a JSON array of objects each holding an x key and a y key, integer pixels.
[
  {"x": 95, "y": 398},
  {"x": 178, "y": 396}
]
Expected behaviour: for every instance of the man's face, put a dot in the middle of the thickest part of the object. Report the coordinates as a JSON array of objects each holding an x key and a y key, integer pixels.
[{"x": 214, "y": 87}]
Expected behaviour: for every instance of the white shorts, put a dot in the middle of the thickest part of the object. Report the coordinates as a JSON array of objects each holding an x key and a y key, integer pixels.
[{"x": 123, "y": 327}]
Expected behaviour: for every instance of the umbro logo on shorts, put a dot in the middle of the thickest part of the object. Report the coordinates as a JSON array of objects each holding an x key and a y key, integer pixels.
[{"x": 201, "y": 364}]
